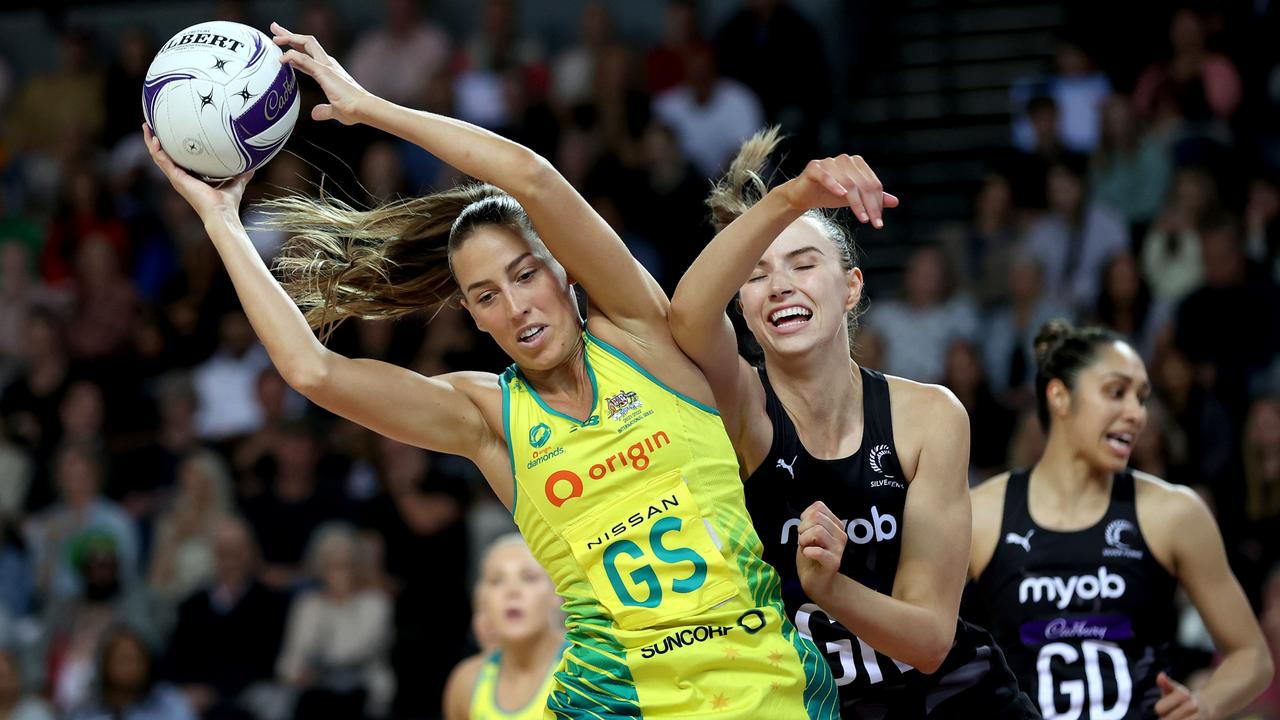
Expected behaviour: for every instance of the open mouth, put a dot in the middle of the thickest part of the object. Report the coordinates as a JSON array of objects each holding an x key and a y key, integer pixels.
[
  {"x": 790, "y": 316},
  {"x": 1120, "y": 442},
  {"x": 513, "y": 614},
  {"x": 531, "y": 333}
]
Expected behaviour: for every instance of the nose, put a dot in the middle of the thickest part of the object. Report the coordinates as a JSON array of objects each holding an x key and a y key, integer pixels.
[
  {"x": 1134, "y": 409},
  {"x": 779, "y": 285},
  {"x": 517, "y": 306}
]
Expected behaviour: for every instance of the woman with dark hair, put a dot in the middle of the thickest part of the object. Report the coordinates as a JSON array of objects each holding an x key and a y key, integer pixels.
[
  {"x": 127, "y": 688},
  {"x": 856, "y": 481},
  {"x": 599, "y": 437},
  {"x": 1078, "y": 557},
  {"x": 1126, "y": 305}
]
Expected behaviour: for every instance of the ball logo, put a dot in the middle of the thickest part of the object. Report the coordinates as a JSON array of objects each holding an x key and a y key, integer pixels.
[
  {"x": 877, "y": 454},
  {"x": 278, "y": 100},
  {"x": 539, "y": 435}
]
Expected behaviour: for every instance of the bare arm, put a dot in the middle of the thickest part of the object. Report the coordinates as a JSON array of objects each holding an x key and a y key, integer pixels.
[
  {"x": 577, "y": 236},
  {"x": 917, "y": 624},
  {"x": 1200, "y": 564},
  {"x": 435, "y": 413},
  {"x": 696, "y": 317}
]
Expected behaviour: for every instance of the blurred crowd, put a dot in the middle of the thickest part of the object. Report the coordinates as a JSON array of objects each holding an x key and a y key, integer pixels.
[{"x": 182, "y": 535}]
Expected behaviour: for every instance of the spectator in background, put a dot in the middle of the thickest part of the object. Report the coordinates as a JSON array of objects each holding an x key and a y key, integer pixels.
[
  {"x": 1171, "y": 251},
  {"x": 285, "y": 516},
  {"x": 1230, "y": 327},
  {"x": 664, "y": 63},
  {"x": 125, "y": 74},
  {"x": 710, "y": 114},
  {"x": 381, "y": 172},
  {"x": 16, "y": 576},
  {"x": 1262, "y": 224},
  {"x": 84, "y": 216},
  {"x": 1194, "y": 83},
  {"x": 495, "y": 49},
  {"x": 1009, "y": 331},
  {"x": 20, "y": 293},
  {"x": 982, "y": 251},
  {"x": 235, "y": 616},
  {"x": 777, "y": 52},
  {"x": 15, "y": 703},
  {"x": 1125, "y": 305},
  {"x": 67, "y": 102},
  {"x": 224, "y": 383},
  {"x": 918, "y": 329},
  {"x": 29, "y": 404},
  {"x": 81, "y": 509},
  {"x": 573, "y": 71},
  {"x": 182, "y": 559},
  {"x": 1075, "y": 239},
  {"x": 81, "y": 415},
  {"x": 127, "y": 686},
  {"x": 337, "y": 636},
  {"x": 964, "y": 376},
  {"x": 1028, "y": 167},
  {"x": 77, "y": 624},
  {"x": 153, "y": 467},
  {"x": 1262, "y": 480},
  {"x": 107, "y": 308},
  {"x": 15, "y": 468},
  {"x": 1078, "y": 89},
  {"x": 395, "y": 60},
  {"x": 419, "y": 513},
  {"x": 1130, "y": 169},
  {"x": 1267, "y": 705},
  {"x": 667, "y": 180}
]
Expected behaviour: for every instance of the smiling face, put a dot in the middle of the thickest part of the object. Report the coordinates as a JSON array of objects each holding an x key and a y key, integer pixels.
[
  {"x": 517, "y": 596},
  {"x": 519, "y": 295},
  {"x": 1106, "y": 409},
  {"x": 798, "y": 297}
]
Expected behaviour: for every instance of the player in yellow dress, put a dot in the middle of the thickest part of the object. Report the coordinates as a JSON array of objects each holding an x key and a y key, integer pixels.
[
  {"x": 600, "y": 437},
  {"x": 516, "y": 602}
]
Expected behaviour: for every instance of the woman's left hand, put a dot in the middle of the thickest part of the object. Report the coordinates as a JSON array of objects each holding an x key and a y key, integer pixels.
[
  {"x": 1178, "y": 702},
  {"x": 819, "y": 550},
  {"x": 343, "y": 92}
]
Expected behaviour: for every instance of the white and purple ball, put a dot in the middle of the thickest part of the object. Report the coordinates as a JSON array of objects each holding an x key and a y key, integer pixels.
[{"x": 219, "y": 99}]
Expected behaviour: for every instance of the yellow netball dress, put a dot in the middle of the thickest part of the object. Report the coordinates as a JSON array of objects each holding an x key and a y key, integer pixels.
[
  {"x": 637, "y": 512},
  {"x": 484, "y": 699}
]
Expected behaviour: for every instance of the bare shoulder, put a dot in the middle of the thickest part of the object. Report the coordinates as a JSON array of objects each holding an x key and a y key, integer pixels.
[
  {"x": 482, "y": 388},
  {"x": 656, "y": 354},
  {"x": 460, "y": 685},
  {"x": 1166, "y": 501},
  {"x": 990, "y": 490},
  {"x": 917, "y": 401}
]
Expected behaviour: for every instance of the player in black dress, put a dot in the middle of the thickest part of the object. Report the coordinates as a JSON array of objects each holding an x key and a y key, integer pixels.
[
  {"x": 1078, "y": 558},
  {"x": 865, "y": 472}
]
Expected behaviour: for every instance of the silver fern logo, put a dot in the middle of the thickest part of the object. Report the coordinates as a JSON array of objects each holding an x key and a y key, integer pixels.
[
  {"x": 1115, "y": 538},
  {"x": 877, "y": 454}
]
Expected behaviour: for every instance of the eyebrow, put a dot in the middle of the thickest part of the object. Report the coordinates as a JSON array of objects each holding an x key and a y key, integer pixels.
[
  {"x": 510, "y": 266},
  {"x": 795, "y": 253}
]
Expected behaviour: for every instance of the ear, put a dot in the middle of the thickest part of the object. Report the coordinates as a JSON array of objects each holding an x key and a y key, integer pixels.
[
  {"x": 1059, "y": 397},
  {"x": 855, "y": 282}
]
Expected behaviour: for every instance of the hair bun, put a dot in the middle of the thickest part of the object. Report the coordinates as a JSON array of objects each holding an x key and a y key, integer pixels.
[{"x": 1051, "y": 335}]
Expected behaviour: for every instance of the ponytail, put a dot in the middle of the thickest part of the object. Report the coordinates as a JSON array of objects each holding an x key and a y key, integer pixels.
[{"x": 340, "y": 262}]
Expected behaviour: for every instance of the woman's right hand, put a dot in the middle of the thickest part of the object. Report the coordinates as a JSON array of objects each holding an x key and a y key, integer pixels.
[
  {"x": 839, "y": 182},
  {"x": 303, "y": 52},
  {"x": 207, "y": 200}
]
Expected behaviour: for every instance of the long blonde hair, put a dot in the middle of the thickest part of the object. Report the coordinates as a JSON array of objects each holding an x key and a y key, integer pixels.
[
  {"x": 391, "y": 260},
  {"x": 745, "y": 183}
]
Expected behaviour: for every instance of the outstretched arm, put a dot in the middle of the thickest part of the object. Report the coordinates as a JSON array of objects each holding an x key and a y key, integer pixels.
[
  {"x": 435, "y": 413},
  {"x": 697, "y": 318},
  {"x": 917, "y": 623},
  {"x": 576, "y": 235}
]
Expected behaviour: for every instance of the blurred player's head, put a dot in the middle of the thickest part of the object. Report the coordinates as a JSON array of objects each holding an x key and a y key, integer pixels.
[
  {"x": 806, "y": 291},
  {"x": 515, "y": 597},
  {"x": 1091, "y": 393}
]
